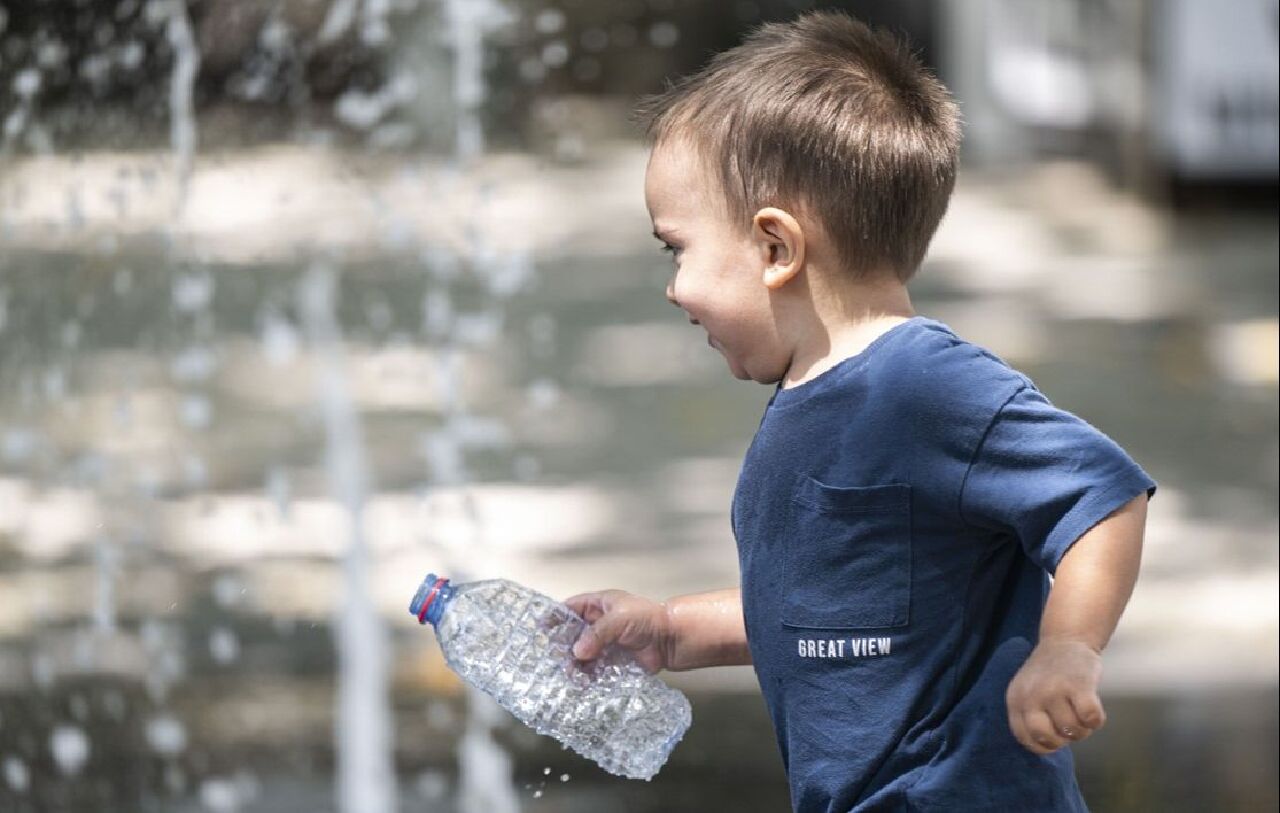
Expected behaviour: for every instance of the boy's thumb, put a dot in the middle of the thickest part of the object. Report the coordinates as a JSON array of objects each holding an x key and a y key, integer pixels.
[
  {"x": 592, "y": 640},
  {"x": 584, "y": 647}
]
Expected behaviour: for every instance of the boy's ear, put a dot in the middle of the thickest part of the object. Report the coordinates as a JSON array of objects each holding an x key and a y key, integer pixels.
[{"x": 781, "y": 240}]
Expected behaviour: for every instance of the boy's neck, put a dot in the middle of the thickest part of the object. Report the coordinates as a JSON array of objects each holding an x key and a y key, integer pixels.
[{"x": 842, "y": 326}]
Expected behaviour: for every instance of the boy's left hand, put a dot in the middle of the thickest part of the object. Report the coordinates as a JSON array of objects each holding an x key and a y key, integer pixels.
[{"x": 1053, "y": 699}]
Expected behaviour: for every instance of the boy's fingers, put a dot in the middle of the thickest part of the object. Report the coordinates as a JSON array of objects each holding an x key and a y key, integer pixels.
[
  {"x": 1065, "y": 722},
  {"x": 1088, "y": 709},
  {"x": 1044, "y": 739},
  {"x": 588, "y": 606},
  {"x": 582, "y": 601}
]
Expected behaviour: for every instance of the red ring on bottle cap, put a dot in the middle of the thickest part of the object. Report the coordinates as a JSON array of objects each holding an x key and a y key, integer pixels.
[{"x": 426, "y": 603}]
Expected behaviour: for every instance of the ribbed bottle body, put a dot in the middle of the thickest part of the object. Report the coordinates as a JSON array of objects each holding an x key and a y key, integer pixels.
[{"x": 515, "y": 644}]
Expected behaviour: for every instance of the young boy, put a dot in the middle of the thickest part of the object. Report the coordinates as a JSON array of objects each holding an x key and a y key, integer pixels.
[{"x": 906, "y": 494}]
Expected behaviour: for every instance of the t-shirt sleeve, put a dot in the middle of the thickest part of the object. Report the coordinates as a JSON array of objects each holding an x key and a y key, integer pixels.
[{"x": 1046, "y": 476}]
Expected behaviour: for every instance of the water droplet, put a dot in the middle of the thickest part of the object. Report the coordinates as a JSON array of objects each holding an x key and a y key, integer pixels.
[
  {"x": 130, "y": 55},
  {"x": 279, "y": 339},
  {"x": 360, "y": 110},
  {"x": 192, "y": 292},
  {"x": 16, "y": 774},
  {"x": 549, "y": 21},
  {"x": 51, "y": 54},
  {"x": 664, "y": 34},
  {"x": 227, "y": 590},
  {"x": 70, "y": 749},
  {"x": 543, "y": 394},
  {"x": 564, "y": 777},
  {"x": 546, "y": 771},
  {"x": 224, "y": 646},
  {"x": 166, "y": 735},
  {"x": 275, "y": 35},
  {"x": 555, "y": 54},
  {"x": 196, "y": 412},
  {"x": 220, "y": 795},
  {"x": 27, "y": 83}
]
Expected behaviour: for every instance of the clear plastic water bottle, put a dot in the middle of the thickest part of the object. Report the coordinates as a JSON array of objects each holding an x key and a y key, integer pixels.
[{"x": 515, "y": 644}]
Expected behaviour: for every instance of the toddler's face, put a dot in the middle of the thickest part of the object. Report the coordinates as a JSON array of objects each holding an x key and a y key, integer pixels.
[{"x": 718, "y": 279}]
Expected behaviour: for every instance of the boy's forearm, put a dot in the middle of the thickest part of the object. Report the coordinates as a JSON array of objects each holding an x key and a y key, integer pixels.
[
  {"x": 1095, "y": 578},
  {"x": 707, "y": 629}
]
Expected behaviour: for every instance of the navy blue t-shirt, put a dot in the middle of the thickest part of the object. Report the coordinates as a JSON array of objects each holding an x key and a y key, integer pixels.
[{"x": 897, "y": 519}]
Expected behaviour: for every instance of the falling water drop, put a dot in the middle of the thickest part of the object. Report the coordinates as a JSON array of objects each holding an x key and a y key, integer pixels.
[
  {"x": 664, "y": 34},
  {"x": 279, "y": 339},
  {"x": 224, "y": 646},
  {"x": 193, "y": 291},
  {"x": 228, "y": 589},
  {"x": 166, "y": 735},
  {"x": 196, "y": 412},
  {"x": 16, "y": 774},
  {"x": 70, "y": 748},
  {"x": 220, "y": 795}
]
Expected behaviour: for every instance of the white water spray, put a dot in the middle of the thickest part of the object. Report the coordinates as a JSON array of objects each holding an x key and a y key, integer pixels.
[
  {"x": 182, "y": 126},
  {"x": 366, "y": 777},
  {"x": 468, "y": 21}
]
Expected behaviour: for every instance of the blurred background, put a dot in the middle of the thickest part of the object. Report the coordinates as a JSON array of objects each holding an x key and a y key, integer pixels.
[{"x": 300, "y": 299}]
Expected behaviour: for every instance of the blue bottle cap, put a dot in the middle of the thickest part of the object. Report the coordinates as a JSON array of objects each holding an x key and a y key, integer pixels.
[{"x": 428, "y": 603}]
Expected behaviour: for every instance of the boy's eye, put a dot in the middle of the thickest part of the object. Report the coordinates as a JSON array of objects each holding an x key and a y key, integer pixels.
[{"x": 670, "y": 249}]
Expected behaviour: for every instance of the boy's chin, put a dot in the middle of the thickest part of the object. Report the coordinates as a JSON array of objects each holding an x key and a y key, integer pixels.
[{"x": 743, "y": 374}]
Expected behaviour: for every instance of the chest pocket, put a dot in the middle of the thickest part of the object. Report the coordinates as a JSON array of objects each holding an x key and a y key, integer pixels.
[{"x": 848, "y": 557}]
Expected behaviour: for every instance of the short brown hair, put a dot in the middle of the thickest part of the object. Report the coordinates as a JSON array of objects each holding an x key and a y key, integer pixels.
[{"x": 829, "y": 116}]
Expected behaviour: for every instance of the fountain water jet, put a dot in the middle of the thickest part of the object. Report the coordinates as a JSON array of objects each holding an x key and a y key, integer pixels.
[{"x": 366, "y": 776}]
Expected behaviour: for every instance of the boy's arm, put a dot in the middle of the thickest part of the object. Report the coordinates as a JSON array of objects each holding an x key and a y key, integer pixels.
[
  {"x": 681, "y": 633},
  {"x": 1053, "y": 698},
  {"x": 706, "y": 629}
]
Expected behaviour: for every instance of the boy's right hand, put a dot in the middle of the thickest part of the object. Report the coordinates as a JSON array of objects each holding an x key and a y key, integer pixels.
[{"x": 633, "y": 622}]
